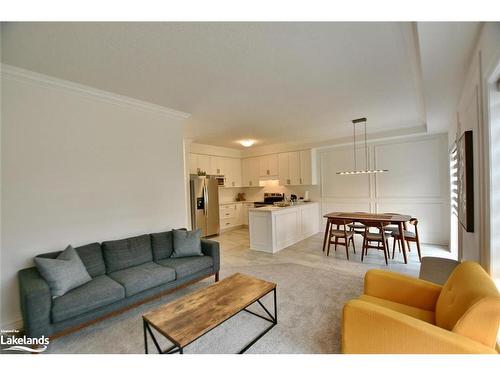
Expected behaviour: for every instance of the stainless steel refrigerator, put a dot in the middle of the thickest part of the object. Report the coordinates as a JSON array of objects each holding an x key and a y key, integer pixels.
[{"x": 204, "y": 204}]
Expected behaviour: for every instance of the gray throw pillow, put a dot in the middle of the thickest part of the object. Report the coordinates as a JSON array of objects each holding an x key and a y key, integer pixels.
[
  {"x": 63, "y": 273},
  {"x": 186, "y": 243}
]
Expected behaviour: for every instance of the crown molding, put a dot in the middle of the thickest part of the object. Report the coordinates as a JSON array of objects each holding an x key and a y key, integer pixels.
[{"x": 30, "y": 77}]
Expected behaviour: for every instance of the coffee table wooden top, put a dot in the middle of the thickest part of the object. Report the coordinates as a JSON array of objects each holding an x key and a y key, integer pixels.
[
  {"x": 368, "y": 216},
  {"x": 184, "y": 320}
]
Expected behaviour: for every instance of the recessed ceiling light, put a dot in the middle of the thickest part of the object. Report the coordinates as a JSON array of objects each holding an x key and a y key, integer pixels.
[{"x": 247, "y": 142}]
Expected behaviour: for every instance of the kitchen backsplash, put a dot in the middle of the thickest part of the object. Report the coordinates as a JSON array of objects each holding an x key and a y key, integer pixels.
[{"x": 257, "y": 194}]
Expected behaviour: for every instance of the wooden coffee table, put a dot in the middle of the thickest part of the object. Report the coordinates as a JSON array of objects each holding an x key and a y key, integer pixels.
[{"x": 188, "y": 318}]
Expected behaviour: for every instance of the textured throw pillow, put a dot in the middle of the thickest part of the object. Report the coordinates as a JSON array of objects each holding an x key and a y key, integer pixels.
[
  {"x": 63, "y": 273},
  {"x": 186, "y": 243}
]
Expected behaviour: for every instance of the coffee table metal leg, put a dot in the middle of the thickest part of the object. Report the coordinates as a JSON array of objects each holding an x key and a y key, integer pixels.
[
  {"x": 145, "y": 337},
  {"x": 273, "y": 320},
  {"x": 171, "y": 350},
  {"x": 275, "y": 308}
]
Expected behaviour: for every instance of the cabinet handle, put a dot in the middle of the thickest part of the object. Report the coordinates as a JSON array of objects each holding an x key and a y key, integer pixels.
[
  {"x": 268, "y": 172},
  {"x": 250, "y": 183},
  {"x": 233, "y": 183},
  {"x": 288, "y": 181},
  {"x": 218, "y": 171},
  {"x": 300, "y": 180}
]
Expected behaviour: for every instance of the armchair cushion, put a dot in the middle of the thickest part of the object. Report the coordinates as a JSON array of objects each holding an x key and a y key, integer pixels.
[
  {"x": 470, "y": 304},
  {"x": 402, "y": 289},
  {"x": 415, "y": 312},
  {"x": 370, "y": 328}
]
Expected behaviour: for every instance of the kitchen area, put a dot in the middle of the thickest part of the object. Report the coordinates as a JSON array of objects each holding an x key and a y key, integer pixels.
[{"x": 272, "y": 195}]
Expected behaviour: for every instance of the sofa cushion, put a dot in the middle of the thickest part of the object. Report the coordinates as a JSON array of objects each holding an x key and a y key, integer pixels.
[
  {"x": 63, "y": 273},
  {"x": 129, "y": 252},
  {"x": 187, "y": 266},
  {"x": 145, "y": 276},
  {"x": 187, "y": 243},
  {"x": 162, "y": 244},
  {"x": 415, "y": 312},
  {"x": 91, "y": 256},
  {"x": 98, "y": 292}
]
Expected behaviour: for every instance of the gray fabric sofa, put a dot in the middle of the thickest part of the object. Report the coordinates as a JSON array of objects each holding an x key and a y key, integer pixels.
[{"x": 124, "y": 274}]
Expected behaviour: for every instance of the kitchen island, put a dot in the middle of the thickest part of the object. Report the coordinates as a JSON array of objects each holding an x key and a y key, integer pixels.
[{"x": 273, "y": 228}]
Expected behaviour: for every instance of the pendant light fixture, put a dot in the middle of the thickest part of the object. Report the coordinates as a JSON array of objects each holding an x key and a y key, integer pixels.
[{"x": 366, "y": 170}]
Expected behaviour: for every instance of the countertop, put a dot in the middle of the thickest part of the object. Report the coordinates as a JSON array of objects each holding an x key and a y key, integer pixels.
[
  {"x": 276, "y": 208},
  {"x": 235, "y": 202}
]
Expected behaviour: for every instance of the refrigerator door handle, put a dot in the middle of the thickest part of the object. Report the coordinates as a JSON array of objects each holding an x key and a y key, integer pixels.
[{"x": 205, "y": 198}]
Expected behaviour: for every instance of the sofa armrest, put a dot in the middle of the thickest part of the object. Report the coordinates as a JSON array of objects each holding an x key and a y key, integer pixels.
[
  {"x": 36, "y": 302},
  {"x": 212, "y": 249},
  {"x": 369, "y": 328},
  {"x": 403, "y": 289}
]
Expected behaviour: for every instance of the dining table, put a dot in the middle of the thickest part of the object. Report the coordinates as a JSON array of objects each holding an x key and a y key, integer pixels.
[{"x": 392, "y": 218}]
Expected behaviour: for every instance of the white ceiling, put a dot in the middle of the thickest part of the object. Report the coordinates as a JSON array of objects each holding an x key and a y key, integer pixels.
[
  {"x": 275, "y": 82},
  {"x": 445, "y": 49}
]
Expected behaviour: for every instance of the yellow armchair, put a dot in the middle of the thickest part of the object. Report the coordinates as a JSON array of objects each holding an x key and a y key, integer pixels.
[{"x": 401, "y": 314}]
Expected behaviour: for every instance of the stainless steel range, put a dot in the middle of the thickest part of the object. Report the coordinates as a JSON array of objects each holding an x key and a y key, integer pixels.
[{"x": 270, "y": 198}]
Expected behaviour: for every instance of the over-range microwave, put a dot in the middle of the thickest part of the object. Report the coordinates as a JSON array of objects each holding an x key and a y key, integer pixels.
[{"x": 220, "y": 179}]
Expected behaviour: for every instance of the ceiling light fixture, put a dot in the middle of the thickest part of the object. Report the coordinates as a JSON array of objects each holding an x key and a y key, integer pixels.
[
  {"x": 247, "y": 142},
  {"x": 366, "y": 170}
]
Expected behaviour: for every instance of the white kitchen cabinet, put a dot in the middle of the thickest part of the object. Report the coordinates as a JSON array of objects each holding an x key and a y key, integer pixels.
[
  {"x": 193, "y": 163},
  {"x": 204, "y": 163},
  {"x": 294, "y": 167},
  {"x": 272, "y": 229},
  {"x": 297, "y": 168},
  {"x": 283, "y": 168},
  {"x": 231, "y": 215},
  {"x": 250, "y": 172},
  {"x": 244, "y": 211},
  {"x": 268, "y": 165},
  {"x": 305, "y": 167},
  {"x": 233, "y": 172}
]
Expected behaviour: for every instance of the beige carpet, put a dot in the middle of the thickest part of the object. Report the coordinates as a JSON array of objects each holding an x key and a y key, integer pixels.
[{"x": 310, "y": 304}]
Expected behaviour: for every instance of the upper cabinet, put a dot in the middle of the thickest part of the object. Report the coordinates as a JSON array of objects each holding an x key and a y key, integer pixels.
[
  {"x": 268, "y": 165},
  {"x": 297, "y": 168},
  {"x": 200, "y": 163},
  {"x": 230, "y": 168},
  {"x": 232, "y": 172},
  {"x": 292, "y": 168},
  {"x": 250, "y": 172}
]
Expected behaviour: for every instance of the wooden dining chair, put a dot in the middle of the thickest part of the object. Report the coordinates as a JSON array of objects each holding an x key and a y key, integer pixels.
[
  {"x": 409, "y": 237},
  {"x": 380, "y": 238},
  {"x": 356, "y": 226},
  {"x": 340, "y": 232}
]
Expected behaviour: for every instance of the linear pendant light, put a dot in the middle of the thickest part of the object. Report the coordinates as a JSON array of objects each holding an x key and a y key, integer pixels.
[{"x": 366, "y": 170}]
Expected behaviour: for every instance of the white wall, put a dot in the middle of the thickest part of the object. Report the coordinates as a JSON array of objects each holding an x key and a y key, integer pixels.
[
  {"x": 78, "y": 166},
  {"x": 416, "y": 184},
  {"x": 473, "y": 114}
]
